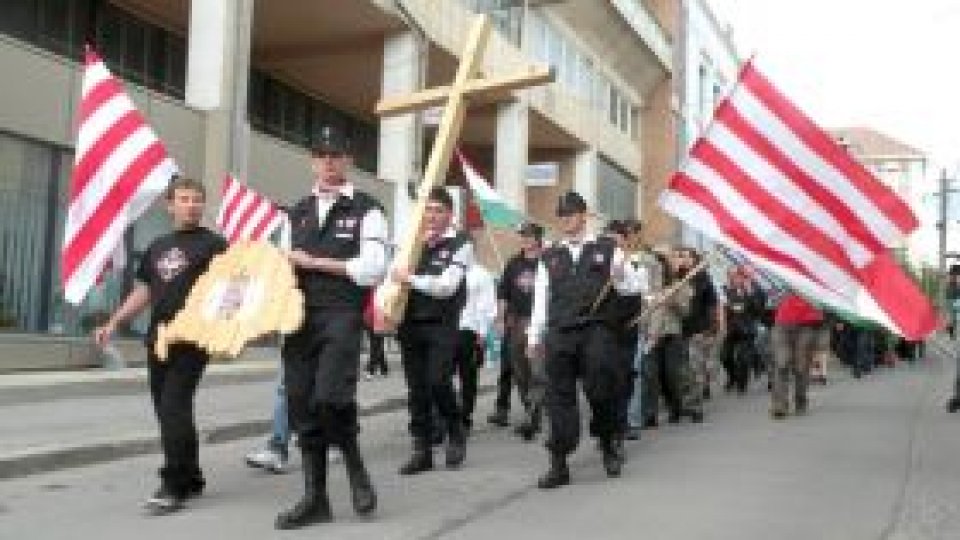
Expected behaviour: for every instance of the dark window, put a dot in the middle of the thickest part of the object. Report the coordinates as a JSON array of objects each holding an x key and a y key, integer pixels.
[
  {"x": 133, "y": 48},
  {"x": 280, "y": 110},
  {"x": 19, "y": 18},
  {"x": 55, "y": 25}
]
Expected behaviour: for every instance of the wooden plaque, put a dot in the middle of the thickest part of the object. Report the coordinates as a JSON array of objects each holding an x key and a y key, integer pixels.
[{"x": 247, "y": 292}]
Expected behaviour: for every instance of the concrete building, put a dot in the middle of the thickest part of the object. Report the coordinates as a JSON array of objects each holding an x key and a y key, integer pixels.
[
  {"x": 244, "y": 86},
  {"x": 707, "y": 64},
  {"x": 905, "y": 170}
]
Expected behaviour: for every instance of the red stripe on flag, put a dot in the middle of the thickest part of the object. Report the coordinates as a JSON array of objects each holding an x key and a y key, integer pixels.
[
  {"x": 822, "y": 144},
  {"x": 728, "y": 116},
  {"x": 781, "y": 215},
  {"x": 265, "y": 222},
  {"x": 103, "y": 92},
  {"x": 93, "y": 159},
  {"x": 900, "y": 298},
  {"x": 246, "y": 216},
  {"x": 733, "y": 227},
  {"x": 232, "y": 205},
  {"x": 110, "y": 205}
]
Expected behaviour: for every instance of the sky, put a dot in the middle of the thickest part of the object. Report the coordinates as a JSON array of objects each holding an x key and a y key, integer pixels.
[{"x": 887, "y": 64}]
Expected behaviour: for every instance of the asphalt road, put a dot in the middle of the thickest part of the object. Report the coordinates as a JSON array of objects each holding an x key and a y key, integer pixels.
[{"x": 875, "y": 459}]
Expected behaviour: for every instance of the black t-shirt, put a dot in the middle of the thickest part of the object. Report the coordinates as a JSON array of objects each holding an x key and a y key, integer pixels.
[
  {"x": 702, "y": 305},
  {"x": 516, "y": 285},
  {"x": 170, "y": 267}
]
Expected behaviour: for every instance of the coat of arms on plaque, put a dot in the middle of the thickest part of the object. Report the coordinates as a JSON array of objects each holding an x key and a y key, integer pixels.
[{"x": 248, "y": 291}]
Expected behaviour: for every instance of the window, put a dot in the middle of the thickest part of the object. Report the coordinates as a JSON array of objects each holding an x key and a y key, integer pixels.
[
  {"x": 613, "y": 114},
  {"x": 283, "y": 111},
  {"x": 20, "y": 18},
  {"x": 624, "y": 116},
  {"x": 134, "y": 49}
]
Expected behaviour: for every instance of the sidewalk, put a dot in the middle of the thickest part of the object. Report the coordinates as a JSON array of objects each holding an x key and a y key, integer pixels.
[{"x": 68, "y": 419}]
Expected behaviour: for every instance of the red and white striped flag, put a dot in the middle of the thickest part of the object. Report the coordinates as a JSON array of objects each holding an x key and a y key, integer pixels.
[
  {"x": 120, "y": 168},
  {"x": 766, "y": 181},
  {"x": 245, "y": 214}
]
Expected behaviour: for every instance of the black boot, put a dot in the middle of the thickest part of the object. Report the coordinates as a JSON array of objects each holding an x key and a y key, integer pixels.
[
  {"x": 314, "y": 507},
  {"x": 612, "y": 460},
  {"x": 558, "y": 474},
  {"x": 531, "y": 424},
  {"x": 421, "y": 460},
  {"x": 500, "y": 417},
  {"x": 456, "y": 445},
  {"x": 953, "y": 404},
  {"x": 361, "y": 489}
]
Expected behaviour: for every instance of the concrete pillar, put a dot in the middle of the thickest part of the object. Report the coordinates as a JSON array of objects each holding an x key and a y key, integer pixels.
[
  {"x": 218, "y": 66},
  {"x": 585, "y": 178},
  {"x": 510, "y": 153},
  {"x": 400, "y": 147},
  {"x": 586, "y": 170}
]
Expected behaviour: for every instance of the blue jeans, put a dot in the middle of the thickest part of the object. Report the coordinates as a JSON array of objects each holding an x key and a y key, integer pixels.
[
  {"x": 635, "y": 414},
  {"x": 280, "y": 438}
]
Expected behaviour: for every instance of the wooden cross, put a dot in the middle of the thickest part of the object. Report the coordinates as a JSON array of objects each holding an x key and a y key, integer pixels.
[{"x": 466, "y": 87}]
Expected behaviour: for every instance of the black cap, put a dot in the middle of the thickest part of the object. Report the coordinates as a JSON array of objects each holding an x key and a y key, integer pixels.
[
  {"x": 530, "y": 229},
  {"x": 618, "y": 226},
  {"x": 330, "y": 140},
  {"x": 571, "y": 203}
]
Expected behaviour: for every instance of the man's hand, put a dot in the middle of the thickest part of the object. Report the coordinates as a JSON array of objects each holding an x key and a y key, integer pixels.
[
  {"x": 400, "y": 274},
  {"x": 102, "y": 334},
  {"x": 300, "y": 259},
  {"x": 535, "y": 351}
]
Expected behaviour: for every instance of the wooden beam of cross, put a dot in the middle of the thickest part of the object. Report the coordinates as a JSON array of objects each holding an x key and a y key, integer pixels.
[{"x": 466, "y": 87}]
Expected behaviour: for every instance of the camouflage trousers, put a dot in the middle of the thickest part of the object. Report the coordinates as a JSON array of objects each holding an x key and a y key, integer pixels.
[
  {"x": 703, "y": 365},
  {"x": 793, "y": 348}
]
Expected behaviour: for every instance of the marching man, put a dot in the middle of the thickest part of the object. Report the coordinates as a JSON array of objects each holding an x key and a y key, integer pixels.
[
  {"x": 167, "y": 272},
  {"x": 573, "y": 327},
  {"x": 338, "y": 237}
]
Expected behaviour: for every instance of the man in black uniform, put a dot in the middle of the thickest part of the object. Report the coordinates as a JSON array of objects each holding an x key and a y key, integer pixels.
[
  {"x": 338, "y": 247},
  {"x": 429, "y": 331},
  {"x": 168, "y": 270},
  {"x": 514, "y": 304},
  {"x": 628, "y": 336},
  {"x": 572, "y": 326},
  {"x": 743, "y": 307}
]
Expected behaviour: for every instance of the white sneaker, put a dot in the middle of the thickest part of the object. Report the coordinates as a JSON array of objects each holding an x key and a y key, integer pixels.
[{"x": 267, "y": 459}]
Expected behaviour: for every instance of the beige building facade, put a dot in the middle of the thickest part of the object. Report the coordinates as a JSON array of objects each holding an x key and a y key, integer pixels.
[{"x": 244, "y": 86}]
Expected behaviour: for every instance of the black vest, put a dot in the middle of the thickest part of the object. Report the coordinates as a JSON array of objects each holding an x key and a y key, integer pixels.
[
  {"x": 340, "y": 239},
  {"x": 434, "y": 260},
  {"x": 575, "y": 286}
]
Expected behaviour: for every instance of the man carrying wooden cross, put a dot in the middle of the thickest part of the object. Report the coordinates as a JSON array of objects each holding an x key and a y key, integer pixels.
[{"x": 429, "y": 332}]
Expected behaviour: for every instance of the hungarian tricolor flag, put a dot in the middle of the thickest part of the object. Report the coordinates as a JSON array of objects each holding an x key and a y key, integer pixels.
[
  {"x": 120, "y": 168},
  {"x": 769, "y": 183},
  {"x": 496, "y": 212}
]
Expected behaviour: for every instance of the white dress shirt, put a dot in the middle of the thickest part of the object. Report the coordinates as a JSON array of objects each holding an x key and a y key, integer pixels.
[
  {"x": 370, "y": 264},
  {"x": 481, "y": 306},
  {"x": 446, "y": 284},
  {"x": 632, "y": 282}
]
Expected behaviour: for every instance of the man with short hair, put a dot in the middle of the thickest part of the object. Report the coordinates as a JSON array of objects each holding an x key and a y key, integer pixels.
[
  {"x": 168, "y": 270},
  {"x": 515, "y": 303},
  {"x": 572, "y": 326},
  {"x": 428, "y": 333},
  {"x": 700, "y": 327},
  {"x": 338, "y": 249}
]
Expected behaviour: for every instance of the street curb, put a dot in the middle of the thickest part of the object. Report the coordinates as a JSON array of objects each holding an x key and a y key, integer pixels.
[
  {"x": 33, "y": 461},
  {"x": 20, "y": 395}
]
